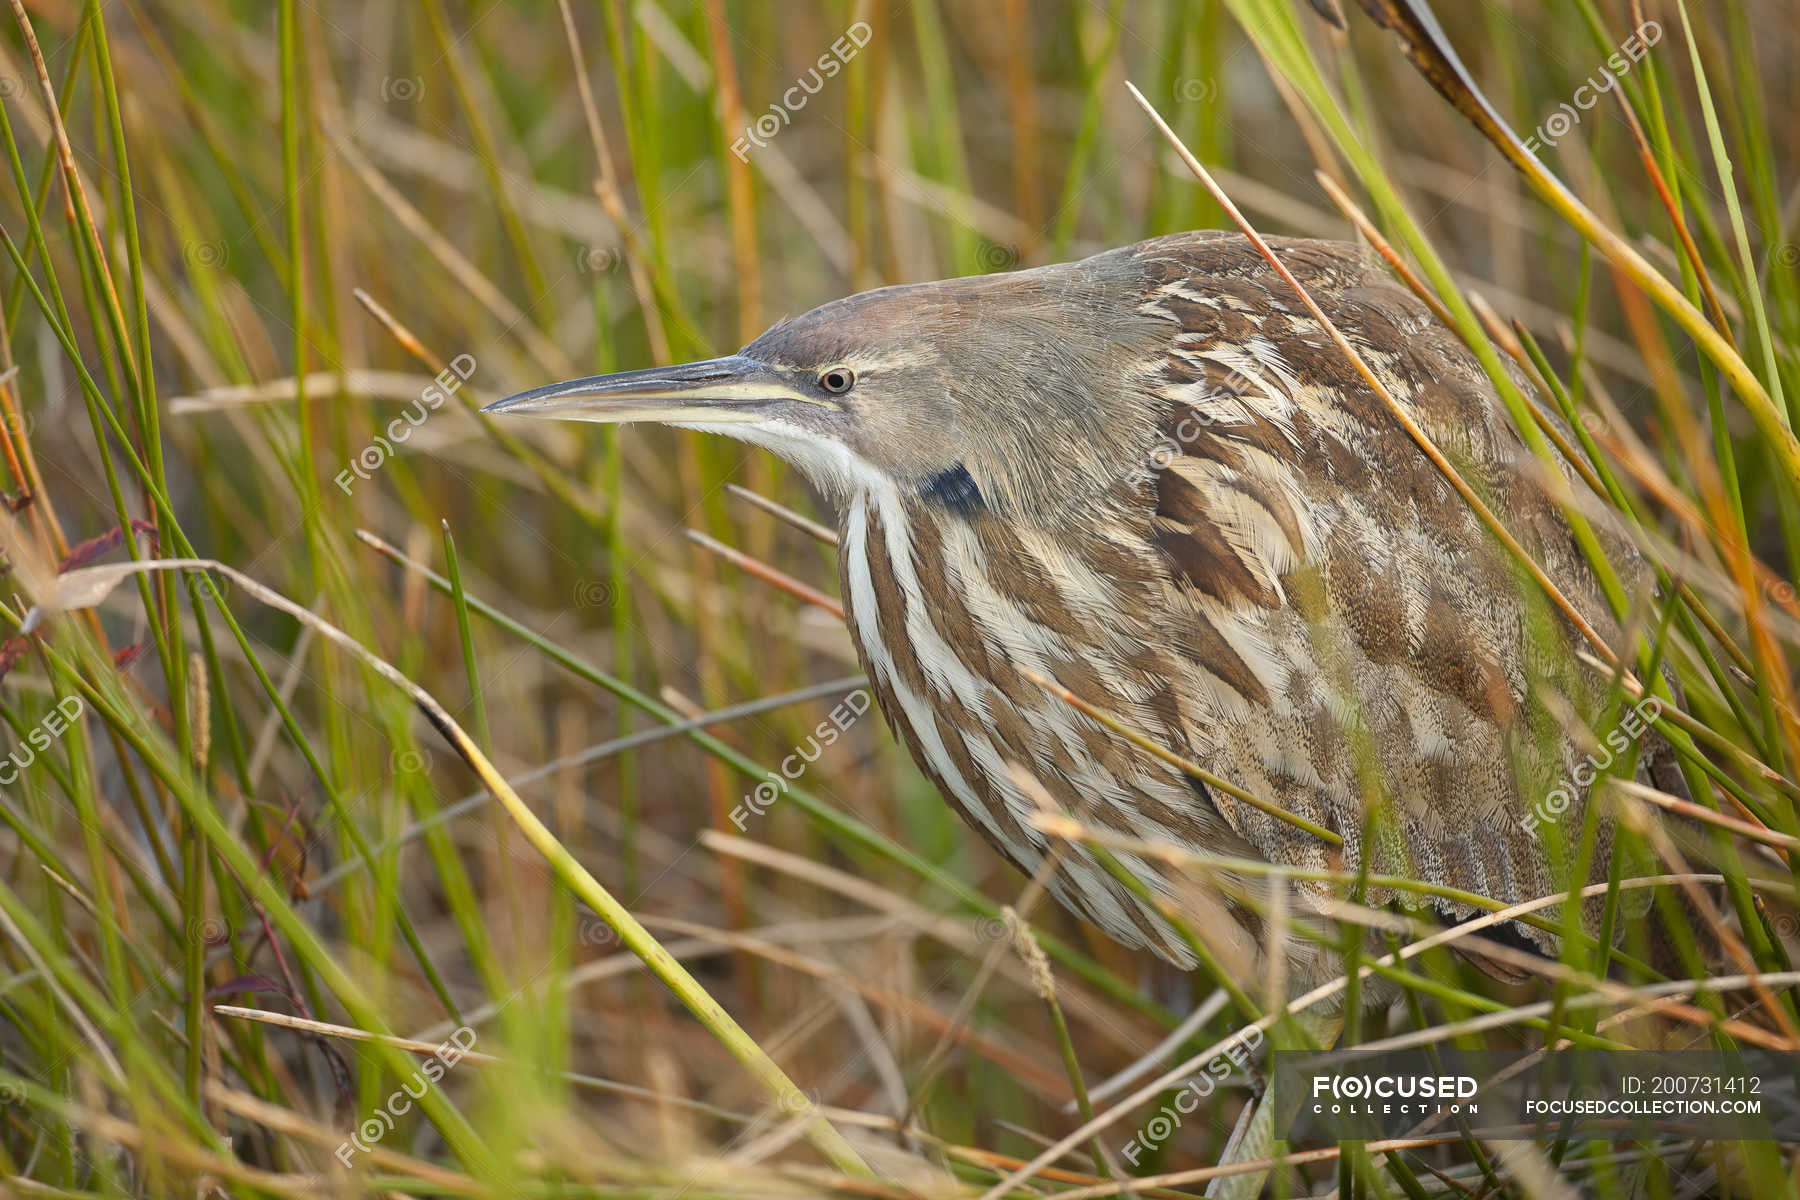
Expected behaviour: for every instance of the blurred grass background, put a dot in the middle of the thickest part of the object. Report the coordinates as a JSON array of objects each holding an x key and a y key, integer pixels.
[{"x": 247, "y": 317}]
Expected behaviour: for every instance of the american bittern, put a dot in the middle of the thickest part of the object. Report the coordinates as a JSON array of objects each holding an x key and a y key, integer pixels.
[{"x": 1152, "y": 477}]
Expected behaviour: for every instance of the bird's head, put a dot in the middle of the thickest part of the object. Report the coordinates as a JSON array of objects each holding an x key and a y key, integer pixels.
[{"x": 1021, "y": 393}]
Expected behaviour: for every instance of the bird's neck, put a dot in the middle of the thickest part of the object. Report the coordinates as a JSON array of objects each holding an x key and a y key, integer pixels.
[{"x": 923, "y": 557}]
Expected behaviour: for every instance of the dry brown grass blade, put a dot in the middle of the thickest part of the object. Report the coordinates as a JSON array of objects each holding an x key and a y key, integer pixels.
[
  {"x": 1502, "y": 336},
  {"x": 174, "y": 1152},
  {"x": 557, "y": 481},
  {"x": 415, "y": 1045},
  {"x": 1649, "y": 475},
  {"x": 15, "y": 443},
  {"x": 773, "y": 576},
  {"x": 510, "y": 318},
  {"x": 360, "y": 384},
  {"x": 606, "y": 190},
  {"x": 346, "y": 1033},
  {"x": 1754, "y": 831},
  {"x": 73, "y": 188},
  {"x": 1722, "y": 935},
  {"x": 740, "y": 195},
  {"x": 1637, "y": 284},
  {"x": 1383, "y": 247},
  {"x": 287, "y": 1121},
  {"x": 781, "y": 511},
  {"x": 1647, "y": 156}
]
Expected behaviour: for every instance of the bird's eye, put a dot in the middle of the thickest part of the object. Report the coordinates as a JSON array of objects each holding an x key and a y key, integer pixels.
[{"x": 837, "y": 380}]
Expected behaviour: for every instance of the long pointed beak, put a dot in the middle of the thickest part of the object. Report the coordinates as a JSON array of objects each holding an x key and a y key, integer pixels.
[{"x": 734, "y": 388}]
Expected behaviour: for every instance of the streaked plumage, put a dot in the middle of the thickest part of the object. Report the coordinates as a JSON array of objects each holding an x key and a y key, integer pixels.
[{"x": 1151, "y": 477}]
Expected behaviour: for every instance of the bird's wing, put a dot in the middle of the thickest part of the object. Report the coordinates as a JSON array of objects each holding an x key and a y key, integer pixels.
[{"x": 1353, "y": 627}]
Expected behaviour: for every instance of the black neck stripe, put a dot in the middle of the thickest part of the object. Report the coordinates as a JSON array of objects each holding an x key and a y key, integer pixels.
[{"x": 955, "y": 489}]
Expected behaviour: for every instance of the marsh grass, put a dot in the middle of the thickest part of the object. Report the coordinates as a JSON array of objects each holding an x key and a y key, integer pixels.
[{"x": 275, "y": 861}]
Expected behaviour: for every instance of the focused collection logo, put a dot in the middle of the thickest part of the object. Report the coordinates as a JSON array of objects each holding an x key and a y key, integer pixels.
[{"x": 1364, "y": 1093}]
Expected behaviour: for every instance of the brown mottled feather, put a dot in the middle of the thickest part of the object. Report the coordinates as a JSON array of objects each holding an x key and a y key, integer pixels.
[
  {"x": 1422, "y": 632},
  {"x": 1276, "y": 573}
]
